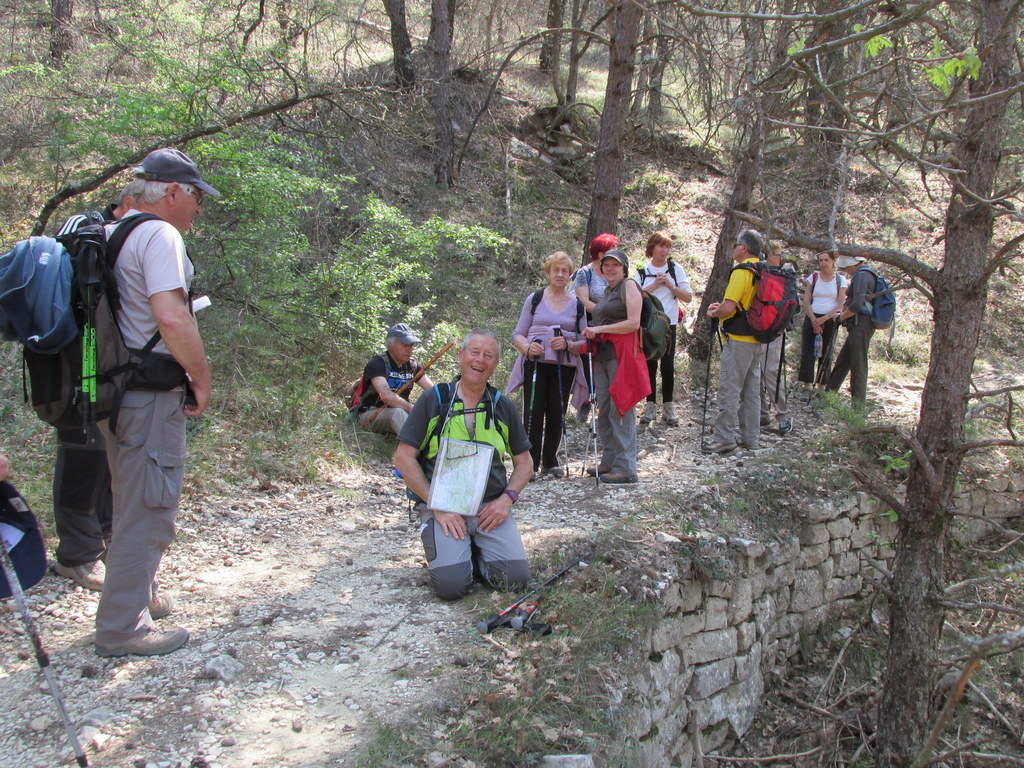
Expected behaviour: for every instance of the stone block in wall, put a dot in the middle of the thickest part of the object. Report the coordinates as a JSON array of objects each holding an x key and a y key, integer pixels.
[
  {"x": 814, "y": 554},
  {"x": 808, "y": 590},
  {"x": 758, "y": 582},
  {"x": 713, "y": 738},
  {"x": 783, "y": 595},
  {"x": 709, "y": 646},
  {"x": 997, "y": 483},
  {"x": 750, "y": 663},
  {"x": 813, "y": 533},
  {"x": 691, "y": 595},
  {"x": 839, "y": 546},
  {"x": 841, "y": 528},
  {"x": 737, "y": 705},
  {"x": 787, "y": 626},
  {"x": 847, "y": 504},
  {"x": 820, "y": 511},
  {"x": 664, "y": 671},
  {"x": 742, "y": 601},
  {"x": 781, "y": 575},
  {"x": 672, "y": 630},
  {"x": 720, "y": 588},
  {"x": 847, "y": 564},
  {"x": 846, "y": 586},
  {"x": 715, "y": 613},
  {"x": 784, "y": 550},
  {"x": 826, "y": 568},
  {"x": 748, "y": 547},
  {"x": 863, "y": 533},
  {"x": 813, "y": 619},
  {"x": 746, "y": 634},
  {"x": 709, "y": 679},
  {"x": 765, "y": 611}
]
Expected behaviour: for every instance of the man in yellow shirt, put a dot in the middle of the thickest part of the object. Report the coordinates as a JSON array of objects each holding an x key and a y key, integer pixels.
[{"x": 739, "y": 377}]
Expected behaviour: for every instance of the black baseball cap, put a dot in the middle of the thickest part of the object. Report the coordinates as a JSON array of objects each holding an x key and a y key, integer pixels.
[
  {"x": 172, "y": 165},
  {"x": 19, "y": 527}
]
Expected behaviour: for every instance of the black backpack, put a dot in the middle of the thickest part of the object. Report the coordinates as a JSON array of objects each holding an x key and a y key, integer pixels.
[
  {"x": 775, "y": 302},
  {"x": 83, "y": 382}
]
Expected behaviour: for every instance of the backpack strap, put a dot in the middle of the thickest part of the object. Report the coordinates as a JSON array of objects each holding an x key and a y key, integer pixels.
[
  {"x": 672, "y": 271},
  {"x": 535, "y": 298},
  {"x": 580, "y": 309}
]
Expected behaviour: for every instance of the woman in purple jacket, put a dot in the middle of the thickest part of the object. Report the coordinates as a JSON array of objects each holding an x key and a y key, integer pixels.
[{"x": 548, "y": 337}]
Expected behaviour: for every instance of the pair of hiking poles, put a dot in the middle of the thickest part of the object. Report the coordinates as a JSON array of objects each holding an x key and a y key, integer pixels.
[{"x": 517, "y": 615}]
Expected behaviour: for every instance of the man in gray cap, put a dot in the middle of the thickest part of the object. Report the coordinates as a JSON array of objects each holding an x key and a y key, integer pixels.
[
  {"x": 856, "y": 317},
  {"x": 383, "y": 376},
  {"x": 146, "y": 454}
]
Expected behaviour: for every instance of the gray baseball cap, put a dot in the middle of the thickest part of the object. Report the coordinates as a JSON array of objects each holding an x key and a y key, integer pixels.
[
  {"x": 403, "y": 333},
  {"x": 616, "y": 255},
  {"x": 172, "y": 165}
]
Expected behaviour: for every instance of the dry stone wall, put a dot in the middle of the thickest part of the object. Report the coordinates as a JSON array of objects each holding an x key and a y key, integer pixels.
[{"x": 723, "y": 637}]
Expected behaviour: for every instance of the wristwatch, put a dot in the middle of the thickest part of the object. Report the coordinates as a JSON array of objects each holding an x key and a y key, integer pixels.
[{"x": 512, "y": 494}]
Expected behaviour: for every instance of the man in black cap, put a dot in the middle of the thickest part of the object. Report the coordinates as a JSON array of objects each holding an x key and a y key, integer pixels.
[
  {"x": 147, "y": 453},
  {"x": 383, "y": 376}
]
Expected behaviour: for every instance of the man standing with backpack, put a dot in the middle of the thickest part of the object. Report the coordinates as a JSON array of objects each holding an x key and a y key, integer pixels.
[
  {"x": 83, "y": 506},
  {"x": 856, "y": 317},
  {"x": 739, "y": 376},
  {"x": 147, "y": 453}
]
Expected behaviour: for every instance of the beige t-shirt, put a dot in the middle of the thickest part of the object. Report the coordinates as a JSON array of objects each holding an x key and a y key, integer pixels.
[{"x": 152, "y": 260}]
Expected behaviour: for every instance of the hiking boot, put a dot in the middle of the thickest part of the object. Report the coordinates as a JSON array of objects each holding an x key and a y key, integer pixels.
[
  {"x": 766, "y": 421},
  {"x": 88, "y": 575},
  {"x": 785, "y": 426},
  {"x": 719, "y": 448},
  {"x": 670, "y": 417},
  {"x": 555, "y": 471},
  {"x": 650, "y": 411},
  {"x": 152, "y": 643},
  {"x": 601, "y": 468},
  {"x": 161, "y": 605},
  {"x": 583, "y": 414},
  {"x": 618, "y": 477}
]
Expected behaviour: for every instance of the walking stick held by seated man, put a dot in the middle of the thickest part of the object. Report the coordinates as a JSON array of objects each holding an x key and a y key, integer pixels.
[{"x": 419, "y": 374}]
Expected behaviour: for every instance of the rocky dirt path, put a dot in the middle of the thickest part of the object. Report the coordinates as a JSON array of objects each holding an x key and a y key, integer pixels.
[{"x": 310, "y": 620}]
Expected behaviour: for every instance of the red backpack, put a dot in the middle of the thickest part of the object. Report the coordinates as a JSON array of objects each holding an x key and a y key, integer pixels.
[{"x": 775, "y": 303}]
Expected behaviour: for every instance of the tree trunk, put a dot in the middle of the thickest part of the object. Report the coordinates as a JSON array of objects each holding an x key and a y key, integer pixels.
[
  {"x": 550, "y": 48},
  {"x": 572, "y": 78},
  {"x": 604, "y": 207},
  {"x": 61, "y": 41},
  {"x": 654, "y": 108},
  {"x": 401, "y": 47},
  {"x": 958, "y": 305},
  {"x": 440, "y": 45}
]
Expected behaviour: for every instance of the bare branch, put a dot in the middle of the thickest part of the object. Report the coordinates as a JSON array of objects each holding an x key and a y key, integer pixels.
[
  {"x": 994, "y": 392},
  {"x": 907, "y": 263},
  {"x": 876, "y": 487},
  {"x": 995, "y": 575},
  {"x": 918, "y": 450},
  {"x": 962, "y": 606},
  {"x": 982, "y": 444}
]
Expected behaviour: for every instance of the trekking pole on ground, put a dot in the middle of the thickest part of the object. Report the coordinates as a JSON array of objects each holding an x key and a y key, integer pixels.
[
  {"x": 707, "y": 379},
  {"x": 42, "y": 657},
  {"x": 506, "y": 616}
]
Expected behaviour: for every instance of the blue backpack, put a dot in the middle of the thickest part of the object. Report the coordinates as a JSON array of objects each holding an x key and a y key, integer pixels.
[{"x": 882, "y": 302}]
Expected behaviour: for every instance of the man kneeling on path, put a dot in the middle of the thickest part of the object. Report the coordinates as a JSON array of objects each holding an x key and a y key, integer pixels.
[
  {"x": 469, "y": 410},
  {"x": 383, "y": 376}
]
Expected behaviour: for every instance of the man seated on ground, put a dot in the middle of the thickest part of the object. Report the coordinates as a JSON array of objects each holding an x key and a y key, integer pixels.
[
  {"x": 487, "y": 543},
  {"x": 383, "y": 376}
]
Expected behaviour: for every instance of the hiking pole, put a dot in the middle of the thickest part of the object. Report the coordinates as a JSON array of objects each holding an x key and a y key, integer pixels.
[
  {"x": 533, "y": 391},
  {"x": 561, "y": 394},
  {"x": 707, "y": 379},
  {"x": 42, "y": 657},
  {"x": 593, "y": 419},
  {"x": 506, "y": 616}
]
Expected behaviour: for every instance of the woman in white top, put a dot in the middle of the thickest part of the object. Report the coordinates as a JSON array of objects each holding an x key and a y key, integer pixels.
[
  {"x": 666, "y": 281},
  {"x": 824, "y": 296}
]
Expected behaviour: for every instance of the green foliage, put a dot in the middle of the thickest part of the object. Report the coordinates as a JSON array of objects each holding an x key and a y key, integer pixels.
[
  {"x": 395, "y": 270},
  {"x": 896, "y": 464},
  {"x": 942, "y": 75}
]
